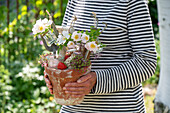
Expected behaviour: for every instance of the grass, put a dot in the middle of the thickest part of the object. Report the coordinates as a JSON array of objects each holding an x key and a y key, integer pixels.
[
  {"x": 149, "y": 104},
  {"x": 149, "y": 96}
]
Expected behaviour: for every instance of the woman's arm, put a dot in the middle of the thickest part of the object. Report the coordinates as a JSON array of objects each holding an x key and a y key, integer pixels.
[{"x": 143, "y": 63}]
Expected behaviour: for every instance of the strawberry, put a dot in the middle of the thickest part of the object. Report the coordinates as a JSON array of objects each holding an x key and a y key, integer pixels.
[
  {"x": 66, "y": 56},
  {"x": 61, "y": 66}
]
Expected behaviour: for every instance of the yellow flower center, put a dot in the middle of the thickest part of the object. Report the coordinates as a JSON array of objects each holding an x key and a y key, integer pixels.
[
  {"x": 76, "y": 37},
  {"x": 92, "y": 46},
  {"x": 40, "y": 28},
  {"x": 71, "y": 43},
  {"x": 64, "y": 38},
  {"x": 86, "y": 38}
]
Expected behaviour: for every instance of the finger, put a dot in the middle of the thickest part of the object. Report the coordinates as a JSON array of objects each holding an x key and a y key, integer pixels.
[
  {"x": 75, "y": 84},
  {"x": 47, "y": 81},
  {"x": 77, "y": 96},
  {"x": 74, "y": 88},
  {"x": 45, "y": 75},
  {"x": 84, "y": 78},
  {"x": 75, "y": 92},
  {"x": 51, "y": 90},
  {"x": 49, "y": 86}
]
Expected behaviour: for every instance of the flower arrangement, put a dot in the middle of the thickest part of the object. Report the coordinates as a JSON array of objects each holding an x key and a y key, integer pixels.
[
  {"x": 71, "y": 49},
  {"x": 70, "y": 57}
]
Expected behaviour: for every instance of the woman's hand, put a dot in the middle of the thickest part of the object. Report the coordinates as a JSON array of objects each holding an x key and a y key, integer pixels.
[
  {"x": 82, "y": 87},
  {"x": 48, "y": 82}
]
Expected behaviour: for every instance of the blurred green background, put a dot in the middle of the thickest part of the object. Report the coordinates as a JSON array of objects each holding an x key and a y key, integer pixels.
[{"x": 22, "y": 87}]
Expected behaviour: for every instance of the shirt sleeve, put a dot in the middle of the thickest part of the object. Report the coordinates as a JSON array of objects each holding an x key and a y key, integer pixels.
[{"x": 142, "y": 65}]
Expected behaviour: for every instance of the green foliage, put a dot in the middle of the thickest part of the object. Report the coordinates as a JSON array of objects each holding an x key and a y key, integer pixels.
[
  {"x": 22, "y": 87},
  {"x": 94, "y": 33},
  {"x": 25, "y": 92},
  {"x": 4, "y": 87},
  {"x": 154, "y": 16}
]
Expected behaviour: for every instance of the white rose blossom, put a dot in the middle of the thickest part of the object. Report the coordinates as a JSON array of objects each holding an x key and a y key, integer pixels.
[
  {"x": 66, "y": 34},
  {"x": 46, "y": 22},
  {"x": 76, "y": 36},
  {"x": 71, "y": 44},
  {"x": 61, "y": 39},
  {"x": 41, "y": 25},
  {"x": 92, "y": 46},
  {"x": 34, "y": 30},
  {"x": 85, "y": 38}
]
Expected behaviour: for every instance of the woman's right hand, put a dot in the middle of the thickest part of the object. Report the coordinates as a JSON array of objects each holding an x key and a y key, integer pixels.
[{"x": 48, "y": 83}]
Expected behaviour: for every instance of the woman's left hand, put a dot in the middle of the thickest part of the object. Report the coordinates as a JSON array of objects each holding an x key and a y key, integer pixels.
[{"x": 82, "y": 87}]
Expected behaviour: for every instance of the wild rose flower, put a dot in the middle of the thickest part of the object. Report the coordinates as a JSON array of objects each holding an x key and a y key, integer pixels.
[
  {"x": 91, "y": 46},
  {"x": 34, "y": 30},
  {"x": 71, "y": 44},
  {"x": 61, "y": 39},
  {"x": 66, "y": 34},
  {"x": 41, "y": 25},
  {"x": 76, "y": 36},
  {"x": 85, "y": 38},
  {"x": 46, "y": 22},
  {"x": 38, "y": 27}
]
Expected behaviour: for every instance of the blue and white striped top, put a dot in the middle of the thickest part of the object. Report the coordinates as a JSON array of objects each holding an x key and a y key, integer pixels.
[{"x": 128, "y": 59}]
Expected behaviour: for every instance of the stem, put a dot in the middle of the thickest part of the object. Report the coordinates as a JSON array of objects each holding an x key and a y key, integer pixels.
[
  {"x": 45, "y": 33},
  {"x": 80, "y": 46},
  {"x": 84, "y": 51},
  {"x": 53, "y": 25},
  {"x": 104, "y": 27},
  {"x": 87, "y": 55},
  {"x": 72, "y": 24},
  {"x": 95, "y": 20},
  {"x": 50, "y": 17}
]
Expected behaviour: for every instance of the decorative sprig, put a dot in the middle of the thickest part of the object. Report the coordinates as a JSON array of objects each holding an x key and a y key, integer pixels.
[{"x": 79, "y": 62}]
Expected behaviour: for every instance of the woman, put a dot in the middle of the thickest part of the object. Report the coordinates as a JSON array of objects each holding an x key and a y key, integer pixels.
[{"x": 129, "y": 58}]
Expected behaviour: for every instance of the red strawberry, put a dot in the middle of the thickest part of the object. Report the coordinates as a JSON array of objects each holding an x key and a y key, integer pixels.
[
  {"x": 66, "y": 56},
  {"x": 61, "y": 66}
]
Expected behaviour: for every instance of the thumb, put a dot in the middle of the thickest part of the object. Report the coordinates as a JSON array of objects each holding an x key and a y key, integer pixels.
[{"x": 84, "y": 78}]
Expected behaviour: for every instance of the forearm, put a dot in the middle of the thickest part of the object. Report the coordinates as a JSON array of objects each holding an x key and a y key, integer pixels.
[
  {"x": 142, "y": 65},
  {"x": 127, "y": 75}
]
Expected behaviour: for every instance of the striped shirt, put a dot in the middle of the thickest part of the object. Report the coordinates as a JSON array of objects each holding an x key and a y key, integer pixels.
[{"x": 128, "y": 59}]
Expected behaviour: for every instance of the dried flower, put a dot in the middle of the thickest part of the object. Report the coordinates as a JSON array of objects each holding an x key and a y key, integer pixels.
[{"x": 79, "y": 61}]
